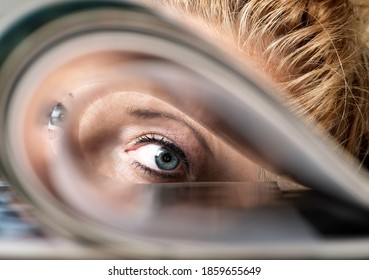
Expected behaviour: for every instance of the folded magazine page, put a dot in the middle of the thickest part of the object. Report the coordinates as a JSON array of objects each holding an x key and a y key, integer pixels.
[{"x": 131, "y": 135}]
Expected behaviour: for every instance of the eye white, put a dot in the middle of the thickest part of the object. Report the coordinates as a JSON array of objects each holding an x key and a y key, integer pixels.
[{"x": 146, "y": 155}]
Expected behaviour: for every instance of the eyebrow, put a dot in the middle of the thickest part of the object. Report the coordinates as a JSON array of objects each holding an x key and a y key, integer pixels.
[{"x": 151, "y": 114}]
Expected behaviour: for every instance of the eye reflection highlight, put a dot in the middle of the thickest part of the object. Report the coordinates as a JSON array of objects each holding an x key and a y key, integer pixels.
[{"x": 155, "y": 146}]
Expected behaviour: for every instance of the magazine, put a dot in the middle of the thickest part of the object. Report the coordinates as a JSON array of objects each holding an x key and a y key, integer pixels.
[{"x": 82, "y": 78}]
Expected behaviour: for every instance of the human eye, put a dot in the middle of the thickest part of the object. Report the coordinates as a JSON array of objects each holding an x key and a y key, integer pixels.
[
  {"x": 159, "y": 158},
  {"x": 146, "y": 158}
]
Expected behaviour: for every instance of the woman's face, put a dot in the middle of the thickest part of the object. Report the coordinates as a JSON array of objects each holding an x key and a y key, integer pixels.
[{"x": 126, "y": 130}]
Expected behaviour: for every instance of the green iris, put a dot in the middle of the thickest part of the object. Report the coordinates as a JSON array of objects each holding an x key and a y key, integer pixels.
[{"x": 166, "y": 159}]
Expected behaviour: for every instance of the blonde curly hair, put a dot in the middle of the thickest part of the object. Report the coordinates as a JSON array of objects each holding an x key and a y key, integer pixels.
[{"x": 316, "y": 51}]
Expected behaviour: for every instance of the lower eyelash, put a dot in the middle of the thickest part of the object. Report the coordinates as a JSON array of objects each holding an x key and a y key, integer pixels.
[{"x": 155, "y": 173}]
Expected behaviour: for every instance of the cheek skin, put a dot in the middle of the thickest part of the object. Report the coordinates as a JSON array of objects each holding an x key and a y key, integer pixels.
[{"x": 231, "y": 166}]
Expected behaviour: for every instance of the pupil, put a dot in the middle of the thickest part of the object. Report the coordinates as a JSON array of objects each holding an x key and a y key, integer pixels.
[{"x": 166, "y": 159}]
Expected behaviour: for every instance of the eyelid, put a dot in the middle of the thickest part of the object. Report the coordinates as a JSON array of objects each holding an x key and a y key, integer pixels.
[
  {"x": 152, "y": 138},
  {"x": 149, "y": 114}
]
